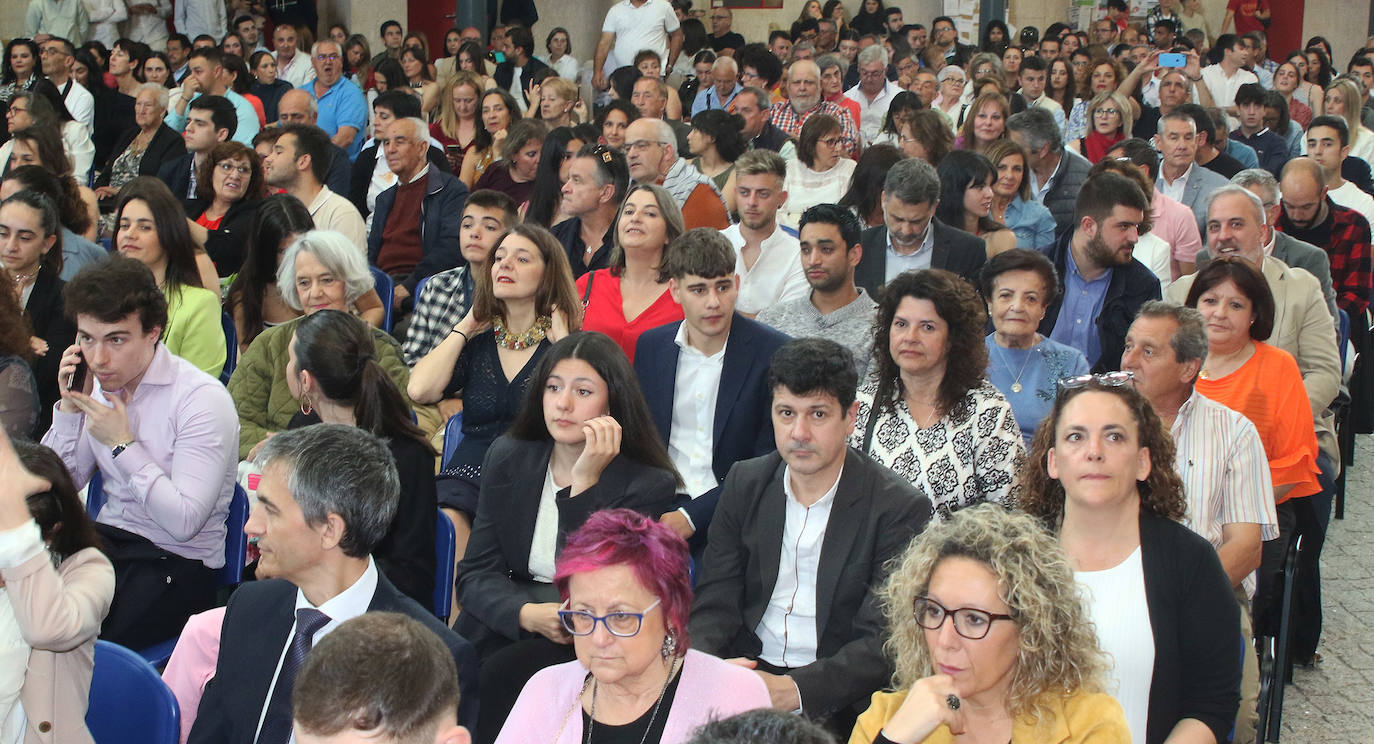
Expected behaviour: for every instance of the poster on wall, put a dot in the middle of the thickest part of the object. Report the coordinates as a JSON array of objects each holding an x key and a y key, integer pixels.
[{"x": 965, "y": 16}]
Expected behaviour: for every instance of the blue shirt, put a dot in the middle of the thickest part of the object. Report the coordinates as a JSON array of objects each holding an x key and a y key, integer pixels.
[
  {"x": 1033, "y": 224},
  {"x": 248, "y": 126},
  {"x": 710, "y": 99},
  {"x": 1037, "y": 369},
  {"x": 1077, "y": 322},
  {"x": 342, "y": 105},
  {"x": 1242, "y": 152}
]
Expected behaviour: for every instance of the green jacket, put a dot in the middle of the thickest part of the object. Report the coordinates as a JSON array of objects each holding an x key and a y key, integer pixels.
[
  {"x": 259, "y": 388},
  {"x": 194, "y": 331}
]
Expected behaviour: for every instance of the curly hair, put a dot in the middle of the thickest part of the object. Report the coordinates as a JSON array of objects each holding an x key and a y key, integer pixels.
[
  {"x": 231, "y": 150},
  {"x": 15, "y": 331},
  {"x": 966, "y": 356},
  {"x": 1161, "y": 493},
  {"x": 1058, "y": 650}
]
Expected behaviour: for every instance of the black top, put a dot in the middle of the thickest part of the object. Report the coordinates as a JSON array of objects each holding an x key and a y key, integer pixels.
[
  {"x": 731, "y": 40},
  {"x": 227, "y": 243},
  {"x": 1225, "y": 165},
  {"x": 569, "y": 233},
  {"x": 490, "y": 401},
  {"x": 497, "y": 176},
  {"x": 50, "y": 323},
  {"x": 646, "y": 728},
  {"x": 270, "y": 95}
]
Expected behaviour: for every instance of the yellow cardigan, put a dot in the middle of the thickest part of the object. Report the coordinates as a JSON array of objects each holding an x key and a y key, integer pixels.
[
  {"x": 1082, "y": 718},
  {"x": 194, "y": 331}
]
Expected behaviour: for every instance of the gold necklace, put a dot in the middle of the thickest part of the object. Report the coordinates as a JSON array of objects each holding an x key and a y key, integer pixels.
[
  {"x": 1016, "y": 382},
  {"x": 519, "y": 341}
]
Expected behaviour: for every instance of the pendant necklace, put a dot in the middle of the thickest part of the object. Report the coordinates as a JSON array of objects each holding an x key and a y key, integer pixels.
[{"x": 1016, "y": 382}]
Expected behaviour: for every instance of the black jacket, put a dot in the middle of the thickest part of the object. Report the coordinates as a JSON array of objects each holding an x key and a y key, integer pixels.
[
  {"x": 257, "y": 626},
  {"x": 177, "y": 175},
  {"x": 1131, "y": 286},
  {"x": 494, "y": 578},
  {"x": 952, "y": 250},
  {"x": 165, "y": 145},
  {"x": 228, "y": 243},
  {"x": 505, "y": 72},
  {"x": 874, "y": 515},
  {"x": 771, "y": 138},
  {"x": 50, "y": 323},
  {"x": 441, "y": 216}
]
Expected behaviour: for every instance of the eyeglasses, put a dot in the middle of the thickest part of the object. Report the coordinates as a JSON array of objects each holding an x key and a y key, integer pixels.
[
  {"x": 619, "y": 624},
  {"x": 1105, "y": 112},
  {"x": 643, "y": 144},
  {"x": 970, "y": 623},
  {"x": 828, "y": 141},
  {"x": 326, "y": 57},
  {"x": 227, "y": 167},
  {"x": 1109, "y": 379},
  {"x": 53, "y": 50}
]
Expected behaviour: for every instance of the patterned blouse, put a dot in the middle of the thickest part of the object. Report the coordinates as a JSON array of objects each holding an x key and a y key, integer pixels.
[{"x": 969, "y": 456}]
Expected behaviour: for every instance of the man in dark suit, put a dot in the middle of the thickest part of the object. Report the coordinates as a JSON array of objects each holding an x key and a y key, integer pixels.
[
  {"x": 327, "y": 495},
  {"x": 911, "y": 237},
  {"x": 706, "y": 378},
  {"x": 1104, "y": 285},
  {"x": 800, "y": 542},
  {"x": 210, "y": 120},
  {"x": 513, "y": 75}
]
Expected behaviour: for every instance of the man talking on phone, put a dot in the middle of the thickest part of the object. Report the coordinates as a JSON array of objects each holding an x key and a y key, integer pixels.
[{"x": 162, "y": 435}]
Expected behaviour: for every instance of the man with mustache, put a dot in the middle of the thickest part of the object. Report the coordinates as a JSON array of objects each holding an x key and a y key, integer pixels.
[{"x": 804, "y": 618}]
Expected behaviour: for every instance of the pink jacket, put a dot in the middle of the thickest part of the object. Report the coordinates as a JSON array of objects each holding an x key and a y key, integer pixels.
[
  {"x": 709, "y": 688},
  {"x": 60, "y": 611}
]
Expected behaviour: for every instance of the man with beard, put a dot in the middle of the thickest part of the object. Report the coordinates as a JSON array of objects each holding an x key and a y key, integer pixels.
[
  {"x": 1104, "y": 285},
  {"x": 765, "y": 256},
  {"x": 835, "y": 309},
  {"x": 805, "y": 100},
  {"x": 1309, "y": 215}
]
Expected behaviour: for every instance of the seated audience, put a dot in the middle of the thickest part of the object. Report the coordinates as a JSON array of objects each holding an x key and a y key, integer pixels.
[
  {"x": 821, "y": 171},
  {"x": 19, "y": 403},
  {"x": 706, "y": 378},
  {"x": 636, "y": 572},
  {"x": 1037, "y": 676},
  {"x": 927, "y": 409},
  {"x": 266, "y": 85},
  {"x": 41, "y": 147},
  {"x": 805, "y": 100},
  {"x": 1309, "y": 215},
  {"x": 864, "y": 197},
  {"x": 597, "y": 179},
  {"x": 766, "y": 254},
  {"x": 299, "y": 164},
  {"x": 162, "y": 435},
  {"x": 911, "y": 236},
  {"x": 229, "y": 189},
  {"x": 319, "y": 271},
  {"x": 1056, "y": 175},
  {"x": 924, "y": 135},
  {"x": 457, "y": 125},
  {"x": 253, "y": 298},
  {"x": 333, "y": 488},
  {"x": 545, "y": 207},
  {"x": 1024, "y": 365},
  {"x": 652, "y": 154},
  {"x": 342, "y": 107},
  {"x": 613, "y": 119},
  {"x": 1012, "y": 202},
  {"x": 513, "y": 175},
  {"x": 1111, "y": 122},
  {"x": 140, "y": 151},
  {"x": 1156, "y": 592},
  {"x": 497, "y": 111},
  {"x": 73, "y": 217},
  {"x": 1104, "y": 285},
  {"x": 42, "y": 108},
  {"x": 582, "y": 441},
  {"x": 1270, "y": 146},
  {"x": 1328, "y": 143},
  {"x": 1170, "y": 221},
  {"x": 966, "y": 194},
  {"x": 151, "y": 228},
  {"x": 715, "y": 144},
  {"x": 814, "y": 637},
  {"x": 1343, "y": 99},
  {"x": 1181, "y": 177},
  {"x": 58, "y": 588},
  {"x": 986, "y": 122},
  {"x": 903, "y": 106},
  {"x": 763, "y": 726},
  {"x": 297, "y": 107}
]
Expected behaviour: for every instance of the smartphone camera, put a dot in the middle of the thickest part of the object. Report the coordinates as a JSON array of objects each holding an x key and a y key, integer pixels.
[{"x": 1173, "y": 60}]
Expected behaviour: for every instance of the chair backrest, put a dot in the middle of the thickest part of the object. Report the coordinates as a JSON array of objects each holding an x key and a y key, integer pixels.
[
  {"x": 420, "y": 287},
  {"x": 1343, "y": 342},
  {"x": 128, "y": 701},
  {"x": 386, "y": 289},
  {"x": 445, "y": 550},
  {"x": 453, "y": 434},
  {"x": 231, "y": 341},
  {"x": 95, "y": 495},
  {"x": 235, "y": 541}
]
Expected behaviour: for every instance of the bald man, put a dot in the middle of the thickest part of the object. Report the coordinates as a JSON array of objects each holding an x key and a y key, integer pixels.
[
  {"x": 804, "y": 100},
  {"x": 1308, "y": 214}
]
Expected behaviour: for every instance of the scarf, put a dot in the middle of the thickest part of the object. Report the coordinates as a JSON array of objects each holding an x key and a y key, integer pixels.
[
  {"x": 682, "y": 180},
  {"x": 1096, "y": 145}
]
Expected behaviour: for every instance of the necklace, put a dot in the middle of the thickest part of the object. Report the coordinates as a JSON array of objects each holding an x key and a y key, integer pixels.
[
  {"x": 22, "y": 279},
  {"x": 518, "y": 341},
  {"x": 1016, "y": 382},
  {"x": 591, "y": 717}
]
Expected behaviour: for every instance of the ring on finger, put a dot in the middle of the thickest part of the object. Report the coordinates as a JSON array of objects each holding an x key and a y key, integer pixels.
[{"x": 952, "y": 701}]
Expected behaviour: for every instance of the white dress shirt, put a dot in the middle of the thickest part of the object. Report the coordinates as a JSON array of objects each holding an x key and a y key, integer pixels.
[
  {"x": 80, "y": 103},
  {"x": 1175, "y": 190},
  {"x": 873, "y": 112},
  {"x": 1350, "y": 197},
  {"x": 777, "y": 275},
  {"x": 1224, "y": 88},
  {"x": 691, "y": 441},
  {"x": 298, "y": 71},
  {"x": 788, "y": 630}
]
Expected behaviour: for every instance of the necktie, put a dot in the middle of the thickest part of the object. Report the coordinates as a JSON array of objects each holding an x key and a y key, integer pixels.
[{"x": 276, "y": 726}]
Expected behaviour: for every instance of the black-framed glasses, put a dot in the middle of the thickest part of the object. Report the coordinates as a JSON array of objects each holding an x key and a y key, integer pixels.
[
  {"x": 969, "y": 622},
  {"x": 619, "y": 624},
  {"x": 1110, "y": 379}
]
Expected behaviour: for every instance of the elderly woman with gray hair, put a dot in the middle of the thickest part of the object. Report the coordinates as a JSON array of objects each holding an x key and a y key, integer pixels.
[
  {"x": 321, "y": 270},
  {"x": 144, "y": 147}
]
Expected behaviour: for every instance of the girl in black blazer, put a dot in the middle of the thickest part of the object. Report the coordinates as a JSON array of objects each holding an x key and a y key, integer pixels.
[
  {"x": 583, "y": 441},
  {"x": 1101, "y": 475}
]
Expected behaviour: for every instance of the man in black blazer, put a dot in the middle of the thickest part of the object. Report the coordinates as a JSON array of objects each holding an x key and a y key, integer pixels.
[
  {"x": 210, "y": 120},
  {"x": 327, "y": 496},
  {"x": 911, "y": 237},
  {"x": 1103, "y": 285},
  {"x": 813, "y": 508},
  {"x": 521, "y": 60},
  {"x": 709, "y": 375}
]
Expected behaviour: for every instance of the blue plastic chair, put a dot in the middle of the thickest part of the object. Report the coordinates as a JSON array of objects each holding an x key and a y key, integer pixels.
[
  {"x": 445, "y": 551},
  {"x": 453, "y": 434},
  {"x": 231, "y": 342},
  {"x": 128, "y": 701},
  {"x": 1343, "y": 339},
  {"x": 386, "y": 289},
  {"x": 95, "y": 495},
  {"x": 420, "y": 287}
]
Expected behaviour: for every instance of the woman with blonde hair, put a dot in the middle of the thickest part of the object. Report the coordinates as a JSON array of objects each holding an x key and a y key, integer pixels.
[
  {"x": 457, "y": 126},
  {"x": 985, "y": 123},
  {"x": 557, "y": 103},
  {"x": 1343, "y": 100},
  {"x": 991, "y": 639},
  {"x": 1110, "y": 117}
]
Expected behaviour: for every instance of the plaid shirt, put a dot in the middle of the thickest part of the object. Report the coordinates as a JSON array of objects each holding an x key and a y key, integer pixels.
[
  {"x": 1345, "y": 237},
  {"x": 790, "y": 122},
  {"x": 443, "y": 301}
]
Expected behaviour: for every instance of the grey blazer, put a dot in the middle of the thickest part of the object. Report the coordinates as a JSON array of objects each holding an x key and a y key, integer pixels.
[{"x": 1201, "y": 183}]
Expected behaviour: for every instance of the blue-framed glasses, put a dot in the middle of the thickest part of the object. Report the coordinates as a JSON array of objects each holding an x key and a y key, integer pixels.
[{"x": 620, "y": 624}]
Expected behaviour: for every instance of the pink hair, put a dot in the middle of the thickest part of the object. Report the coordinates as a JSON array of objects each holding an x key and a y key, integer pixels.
[{"x": 656, "y": 554}]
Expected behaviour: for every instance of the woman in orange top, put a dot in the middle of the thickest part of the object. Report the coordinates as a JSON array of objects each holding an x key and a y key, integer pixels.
[{"x": 1263, "y": 383}]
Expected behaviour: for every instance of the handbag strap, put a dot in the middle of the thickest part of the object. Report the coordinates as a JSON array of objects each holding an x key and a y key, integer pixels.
[{"x": 587, "y": 293}]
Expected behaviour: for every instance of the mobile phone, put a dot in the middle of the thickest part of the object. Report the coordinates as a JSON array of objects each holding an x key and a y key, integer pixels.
[
  {"x": 77, "y": 379},
  {"x": 454, "y": 150},
  {"x": 1173, "y": 60}
]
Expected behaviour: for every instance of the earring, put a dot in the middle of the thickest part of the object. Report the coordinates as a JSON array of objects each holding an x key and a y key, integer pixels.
[
  {"x": 306, "y": 408},
  {"x": 669, "y": 649}
]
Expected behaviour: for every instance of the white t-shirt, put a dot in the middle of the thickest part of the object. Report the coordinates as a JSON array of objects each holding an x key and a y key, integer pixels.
[
  {"x": 1118, "y": 608},
  {"x": 637, "y": 28}
]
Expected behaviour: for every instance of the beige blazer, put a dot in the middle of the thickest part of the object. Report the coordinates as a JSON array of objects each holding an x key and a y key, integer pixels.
[
  {"x": 1304, "y": 328},
  {"x": 59, "y": 612}
]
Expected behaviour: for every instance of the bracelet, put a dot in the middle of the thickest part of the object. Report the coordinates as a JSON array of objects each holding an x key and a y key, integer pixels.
[
  {"x": 460, "y": 333},
  {"x": 1196, "y": 79}
]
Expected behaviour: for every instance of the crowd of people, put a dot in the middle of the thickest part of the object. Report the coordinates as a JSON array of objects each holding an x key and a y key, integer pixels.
[{"x": 751, "y": 377}]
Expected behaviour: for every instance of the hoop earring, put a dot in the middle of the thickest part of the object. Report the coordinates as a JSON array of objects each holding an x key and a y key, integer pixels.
[{"x": 306, "y": 407}]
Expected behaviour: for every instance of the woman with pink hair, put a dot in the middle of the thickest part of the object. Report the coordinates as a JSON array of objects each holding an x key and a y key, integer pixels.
[{"x": 627, "y": 594}]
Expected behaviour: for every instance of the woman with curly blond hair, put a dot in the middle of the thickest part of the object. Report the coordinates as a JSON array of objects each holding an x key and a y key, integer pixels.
[
  {"x": 1101, "y": 476},
  {"x": 991, "y": 640}
]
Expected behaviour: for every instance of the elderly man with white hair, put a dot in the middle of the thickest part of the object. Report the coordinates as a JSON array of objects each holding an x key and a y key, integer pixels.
[
  {"x": 724, "y": 85},
  {"x": 874, "y": 92},
  {"x": 651, "y": 152},
  {"x": 804, "y": 100},
  {"x": 342, "y": 108}
]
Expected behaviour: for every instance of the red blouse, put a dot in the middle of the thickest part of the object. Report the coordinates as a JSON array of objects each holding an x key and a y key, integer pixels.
[{"x": 605, "y": 311}]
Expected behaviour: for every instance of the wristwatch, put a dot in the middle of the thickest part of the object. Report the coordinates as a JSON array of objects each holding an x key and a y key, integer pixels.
[{"x": 118, "y": 448}]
